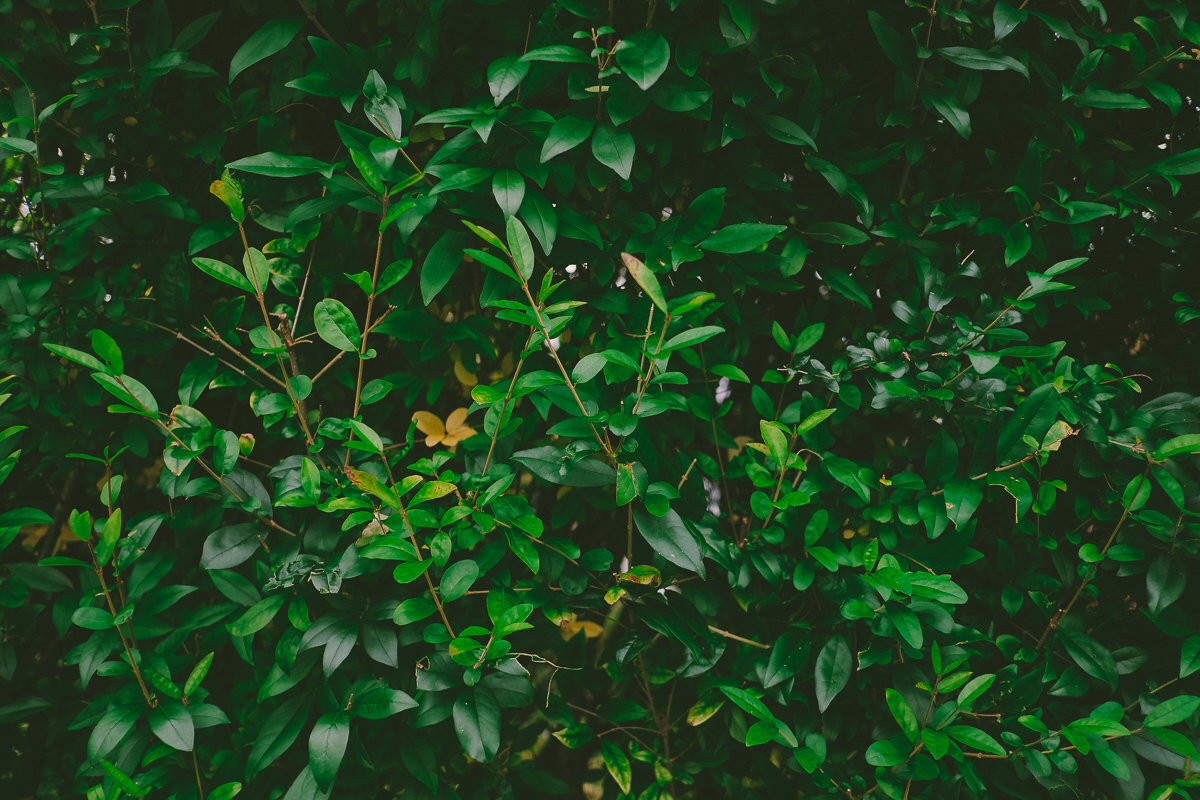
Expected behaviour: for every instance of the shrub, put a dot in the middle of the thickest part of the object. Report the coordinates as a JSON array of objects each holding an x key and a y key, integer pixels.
[{"x": 679, "y": 399}]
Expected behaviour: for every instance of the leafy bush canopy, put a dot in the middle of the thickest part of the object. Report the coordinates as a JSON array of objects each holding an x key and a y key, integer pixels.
[{"x": 651, "y": 399}]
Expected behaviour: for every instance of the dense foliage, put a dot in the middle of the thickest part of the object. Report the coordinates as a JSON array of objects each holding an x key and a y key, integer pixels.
[{"x": 637, "y": 399}]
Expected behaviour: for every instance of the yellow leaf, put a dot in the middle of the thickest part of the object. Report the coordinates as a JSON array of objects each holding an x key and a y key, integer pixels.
[
  {"x": 457, "y": 428},
  {"x": 465, "y": 377},
  {"x": 431, "y": 425},
  {"x": 448, "y": 433}
]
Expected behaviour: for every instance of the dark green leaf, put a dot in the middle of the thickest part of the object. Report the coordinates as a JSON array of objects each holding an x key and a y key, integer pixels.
[
  {"x": 741, "y": 237},
  {"x": 281, "y": 165},
  {"x": 263, "y": 43},
  {"x": 551, "y": 464},
  {"x": 441, "y": 262},
  {"x": 477, "y": 723},
  {"x": 1032, "y": 418},
  {"x": 565, "y": 134},
  {"x": 973, "y": 58},
  {"x": 336, "y": 325},
  {"x": 172, "y": 723},
  {"x": 458, "y": 579},
  {"x": 228, "y": 547},
  {"x": 643, "y": 56},
  {"x": 833, "y": 670},
  {"x": 327, "y": 746},
  {"x": 504, "y": 75},
  {"x": 671, "y": 539},
  {"x": 614, "y": 149}
]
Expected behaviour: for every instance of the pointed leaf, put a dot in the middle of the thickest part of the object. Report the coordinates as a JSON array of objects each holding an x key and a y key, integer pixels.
[
  {"x": 327, "y": 746},
  {"x": 646, "y": 279},
  {"x": 834, "y": 666},
  {"x": 477, "y": 723},
  {"x": 614, "y": 149},
  {"x": 643, "y": 56},
  {"x": 671, "y": 539},
  {"x": 565, "y": 134},
  {"x": 172, "y": 723},
  {"x": 263, "y": 43}
]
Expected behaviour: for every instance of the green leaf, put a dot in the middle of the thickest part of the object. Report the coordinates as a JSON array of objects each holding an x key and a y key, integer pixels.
[
  {"x": 78, "y": 356},
  {"x": 487, "y": 236},
  {"x": 336, "y": 325},
  {"x": 197, "y": 675},
  {"x": 671, "y": 539},
  {"x": 643, "y": 56},
  {"x": 112, "y": 729},
  {"x": 504, "y": 75},
  {"x": 808, "y": 338},
  {"x": 833, "y": 670},
  {"x": 413, "y": 609},
  {"x": 558, "y": 54},
  {"x": 92, "y": 619},
  {"x": 1179, "y": 446},
  {"x": 551, "y": 464},
  {"x": 508, "y": 187},
  {"x": 973, "y": 737},
  {"x": 1105, "y": 98},
  {"x": 890, "y": 42},
  {"x": 588, "y": 367},
  {"x": 566, "y": 133},
  {"x": 974, "y": 690},
  {"x": 691, "y": 337},
  {"x": 837, "y": 233},
  {"x": 1189, "y": 659},
  {"x": 614, "y": 149},
  {"x": 1173, "y": 711},
  {"x": 1092, "y": 657},
  {"x": 1185, "y": 163},
  {"x": 776, "y": 439},
  {"x": 441, "y": 262},
  {"x": 903, "y": 714},
  {"x": 458, "y": 579},
  {"x": 276, "y": 734},
  {"x": 846, "y": 286},
  {"x": 257, "y": 270},
  {"x": 617, "y": 764},
  {"x": 263, "y": 43},
  {"x": 542, "y": 219},
  {"x": 1032, "y": 418},
  {"x": 124, "y": 782},
  {"x": 129, "y": 391},
  {"x": 814, "y": 419},
  {"x": 520, "y": 246},
  {"x": 327, "y": 746},
  {"x": 228, "y": 547},
  {"x": 786, "y": 131},
  {"x": 974, "y": 58},
  {"x": 885, "y": 753},
  {"x": 381, "y": 702},
  {"x": 1165, "y": 581},
  {"x": 258, "y": 616},
  {"x": 788, "y": 655},
  {"x": 281, "y": 165},
  {"x": 645, "y": 278},
  {"x": 172, "y": 723},
  {"x": 741, "y": 237},
  {"x": 477, "y": 723},
  {"x": 963, "y": 496}
]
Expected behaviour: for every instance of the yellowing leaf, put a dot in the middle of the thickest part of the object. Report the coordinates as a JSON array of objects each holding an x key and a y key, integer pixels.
[
  {"x": 465, "y": 377},
  {"x": 448, "y": 433}
]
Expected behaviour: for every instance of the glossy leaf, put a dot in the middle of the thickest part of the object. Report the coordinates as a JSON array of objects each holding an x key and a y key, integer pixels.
[
  {"x": 833, "y": 670},
  {"x": 336, "y": 325},
  {"x": 670, "y": 538}
]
